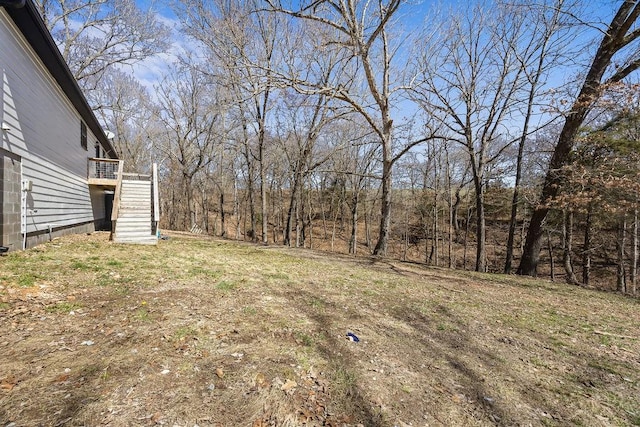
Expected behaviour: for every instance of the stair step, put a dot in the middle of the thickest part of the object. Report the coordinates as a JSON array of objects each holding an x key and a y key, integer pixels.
[
  {"x": 136, "y": 208},
  {"x": 135, "y": 202},
  {"x": 129, "y": 222},
  {"x": 142, "y": 190},
  {"x": 150, "y": 241},
  {"x": 132, "y": 205},
  {"x": 124, "y": 228},
  {"x": 138, "y": 222},
  {"x": 136, "y": 234},
  {"x": 134, "y": 217},
  {"x": 138, "y": 231},
  {"x": 135, "y": 182},
  {"x": 130, "y": 198}
]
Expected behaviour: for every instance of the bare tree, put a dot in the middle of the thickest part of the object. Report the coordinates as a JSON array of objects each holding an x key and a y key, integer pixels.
[
  {"x": 620, "y": 42},
  {"x": 468, "y": 76},
  {"x": 125, "y": 108},
  {"x": 96, "y": 35},
  {"x": 543, "y": 51},
  {"x": 243, "y": 47},
  {"x": 189, "y": 113},
  {"x": 300, "y": 121},
  {"x": 360, "y": 32}
]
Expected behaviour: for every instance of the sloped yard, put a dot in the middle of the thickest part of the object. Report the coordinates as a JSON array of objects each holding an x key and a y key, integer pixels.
[{"x": 205, "y": 332}]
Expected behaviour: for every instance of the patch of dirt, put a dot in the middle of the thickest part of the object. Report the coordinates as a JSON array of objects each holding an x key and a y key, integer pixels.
[{"x": 198, "y": 331}]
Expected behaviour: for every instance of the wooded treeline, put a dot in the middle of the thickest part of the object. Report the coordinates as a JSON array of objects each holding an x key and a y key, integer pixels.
[{"x": 484, "y": 136}]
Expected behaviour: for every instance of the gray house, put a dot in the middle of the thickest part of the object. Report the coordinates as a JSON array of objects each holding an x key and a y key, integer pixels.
[{"x": 59, "y": 173}]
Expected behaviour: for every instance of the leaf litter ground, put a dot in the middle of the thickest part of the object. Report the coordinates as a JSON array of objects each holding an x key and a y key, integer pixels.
[{"x": 206, "y": 332}]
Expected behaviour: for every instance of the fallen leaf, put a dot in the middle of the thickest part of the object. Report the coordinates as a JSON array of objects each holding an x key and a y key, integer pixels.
[
  {"x": 220, "y": 373},
  {"x": 458, "y": 398},
  {"x": 261, "y": 380},
  {"x": 8, "y": 383},
  {"x": 62, "y": 378},
  {"x": 7, "y": 386},
  {"x": 288, "y": 386}
]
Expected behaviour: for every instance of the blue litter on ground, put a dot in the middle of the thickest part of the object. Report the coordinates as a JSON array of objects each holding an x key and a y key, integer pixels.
[{"x": 352, "y": 337}]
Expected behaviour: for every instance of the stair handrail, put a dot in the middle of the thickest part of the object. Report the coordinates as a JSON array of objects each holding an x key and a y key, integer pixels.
[{"x": 116, "y": 194}]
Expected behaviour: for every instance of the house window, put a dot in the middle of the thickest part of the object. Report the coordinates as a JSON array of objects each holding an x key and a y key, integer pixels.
[
  {"x": 83, "y": 135},
  {"x": 97, "y": 150}
]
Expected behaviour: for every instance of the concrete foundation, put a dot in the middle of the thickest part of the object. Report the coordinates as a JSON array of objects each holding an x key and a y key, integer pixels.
[
  {"x": 10, "y": 188},
  {"x": 37, "y": 238}
]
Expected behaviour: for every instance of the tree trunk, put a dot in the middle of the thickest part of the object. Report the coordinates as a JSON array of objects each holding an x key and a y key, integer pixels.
[
  {"x": 263, "y": 194},
  {"x": 436, "y": 229},
  {"x": 190, "y": 214},
  {"x": 622, "y": 237},
  {"x": 353, "y": 240},
  {"x": 385, "y": 211},
  {"x": 323, "y": 208},
  {"x": 293, "y": 200},
  {"x": 302, "y": 224},
  {"x": 223, "y": 222},
  {"x": 567, "y": 240},
  {"x": 466, "y": 238},
  {"x": 450, "y": 261},
  {"x": 405, "y": 248},
  {"x": 250, "y": 189},
  {"x": 367, "y": 224},
  {"x": 454, "y": 212},
  {"x": 586, "y": 253},
  {"x": 634, "y": 261},
  {"x": 310, "y": 219},
  {"x": 236, "y": 207},
  {"x": 552, "y": 265},
  {"x": 481, "y": 254},
  {"x": 514, "y": 217}
]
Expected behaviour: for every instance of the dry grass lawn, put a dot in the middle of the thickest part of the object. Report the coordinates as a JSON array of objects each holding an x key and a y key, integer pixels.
[{"x": 206, "y": 332}]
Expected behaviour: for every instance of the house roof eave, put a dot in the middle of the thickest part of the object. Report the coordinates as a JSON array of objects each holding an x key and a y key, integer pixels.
[{"x": 26, "y": 17}]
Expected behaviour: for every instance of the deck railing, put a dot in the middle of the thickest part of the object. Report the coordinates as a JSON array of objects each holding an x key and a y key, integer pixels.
[{"x": 98, "y": 169}]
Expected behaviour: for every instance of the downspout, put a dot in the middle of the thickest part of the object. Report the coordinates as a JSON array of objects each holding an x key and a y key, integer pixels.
[{"x": 25, "y": 188}]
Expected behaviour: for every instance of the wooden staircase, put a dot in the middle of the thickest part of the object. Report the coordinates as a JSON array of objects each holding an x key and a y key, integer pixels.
[
  {"x": 134, "y": 217},
  {"x": 135, "y": 213}
]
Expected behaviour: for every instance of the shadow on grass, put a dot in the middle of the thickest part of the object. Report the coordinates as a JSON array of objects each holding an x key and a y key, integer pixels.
[
  {"x": 344, "y": 377},
  {"x": 453, "y": 344},
  {"x": 345, "y": 388},
  {"x": 426, "y": 340}
]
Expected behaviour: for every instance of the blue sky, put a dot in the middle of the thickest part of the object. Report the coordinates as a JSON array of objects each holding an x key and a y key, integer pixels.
[{"x": 413, "y": 15}]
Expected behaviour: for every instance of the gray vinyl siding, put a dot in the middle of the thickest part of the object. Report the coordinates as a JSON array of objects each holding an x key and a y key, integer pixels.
[
  {"x": 57, "y": 198},
  {"x": 45, "y": 133}
]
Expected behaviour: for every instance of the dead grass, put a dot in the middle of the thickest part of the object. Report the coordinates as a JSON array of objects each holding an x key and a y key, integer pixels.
[{"x": 208, "y": 332}]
